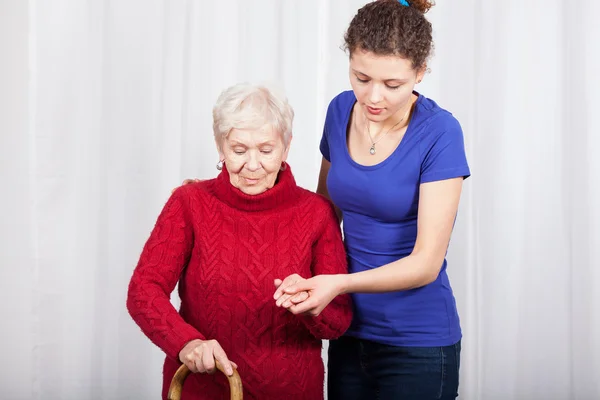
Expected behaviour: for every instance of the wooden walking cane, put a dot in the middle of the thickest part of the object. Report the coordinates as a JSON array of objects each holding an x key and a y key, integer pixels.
[{"x": 235, "y": 383}]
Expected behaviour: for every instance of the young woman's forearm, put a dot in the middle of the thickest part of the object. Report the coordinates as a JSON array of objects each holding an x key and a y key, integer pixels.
[{"x": 413, "y": 271}]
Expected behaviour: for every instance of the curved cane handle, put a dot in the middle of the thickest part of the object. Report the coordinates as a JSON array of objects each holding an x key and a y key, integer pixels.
[{"x": 235, "y": 383}]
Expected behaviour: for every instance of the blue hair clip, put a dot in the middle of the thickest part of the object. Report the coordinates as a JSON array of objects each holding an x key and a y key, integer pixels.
[{"x": 404, "y": 3}]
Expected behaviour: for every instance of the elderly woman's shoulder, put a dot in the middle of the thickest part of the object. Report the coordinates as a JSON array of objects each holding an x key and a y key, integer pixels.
[{"x": 196, "y": 189}]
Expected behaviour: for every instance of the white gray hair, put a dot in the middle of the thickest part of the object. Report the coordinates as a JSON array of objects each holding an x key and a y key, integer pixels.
[{"x": 252, "y": 106}]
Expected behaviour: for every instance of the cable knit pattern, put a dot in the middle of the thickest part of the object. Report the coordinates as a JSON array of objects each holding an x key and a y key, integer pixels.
[{"x": 225, "y": 248}]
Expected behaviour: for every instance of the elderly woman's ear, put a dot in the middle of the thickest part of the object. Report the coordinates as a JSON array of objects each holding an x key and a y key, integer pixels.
[
  {"x": 219, "y": 143},
  {"x": 288, "y": 146}
]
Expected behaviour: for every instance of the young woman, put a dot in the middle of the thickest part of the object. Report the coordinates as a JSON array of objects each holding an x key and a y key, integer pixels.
[{"x": 393, "y": 165}]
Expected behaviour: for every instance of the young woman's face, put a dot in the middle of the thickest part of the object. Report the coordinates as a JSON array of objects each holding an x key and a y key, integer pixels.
[
  {"x": 253, "y": 158},
  {"x": 383, "y": 85}
]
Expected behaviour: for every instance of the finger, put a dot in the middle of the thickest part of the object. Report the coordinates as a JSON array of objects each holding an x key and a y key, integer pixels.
[
  {"x": 304, "y": 285},
  {"x": 294, "y": 299},
  {"x": 299, "y": 297},
  {"x": 190, "y": 362},
  {"x": 303, "y": 296},
  {"x": 290, "y": 280},
  {"x": 278, "y": 282},
  {"x": 307, "y": 306},
  {"x": 208, "y": 360},
  {"x": 221, "y": 357},
  {"x": 197, "y": 359},
  {"x": 233, "y": 364},
  {"x": 199, "y": 363},
  {"x": 280, "y": 288},
  {"x": 282, "y": 299}
]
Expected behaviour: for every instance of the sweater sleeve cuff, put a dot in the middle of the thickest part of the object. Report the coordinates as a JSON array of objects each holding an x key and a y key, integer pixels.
[
  {"x": 326, "y": 326},
  {"x": 178, "y": 338}
]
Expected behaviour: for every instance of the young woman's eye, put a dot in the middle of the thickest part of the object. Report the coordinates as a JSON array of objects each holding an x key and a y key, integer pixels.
[
  {"x": 362, "y": 80},
  {"x": 266, "y": 151},
  {"x": 239, "y": 152},
  {"x": 393, "y": 87}
]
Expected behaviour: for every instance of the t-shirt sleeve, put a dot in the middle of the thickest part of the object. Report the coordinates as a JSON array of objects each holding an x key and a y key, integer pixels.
[
  {"x": 444, "y": 154},
  {"x": 324, "y": 146}
]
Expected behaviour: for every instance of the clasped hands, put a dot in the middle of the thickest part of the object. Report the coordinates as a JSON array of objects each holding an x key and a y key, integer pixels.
[
  {"x": 288, "y": 298},
  {"x": 307, "y": 296}
]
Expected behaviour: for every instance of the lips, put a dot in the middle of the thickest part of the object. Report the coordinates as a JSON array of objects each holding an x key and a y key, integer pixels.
[
  {"x": 374, "y": 111},
  {"x": 250, "y": 181}
]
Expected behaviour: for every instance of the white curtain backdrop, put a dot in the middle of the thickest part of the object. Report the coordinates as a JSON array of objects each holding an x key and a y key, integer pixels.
[{"x": 105, "y": 106}]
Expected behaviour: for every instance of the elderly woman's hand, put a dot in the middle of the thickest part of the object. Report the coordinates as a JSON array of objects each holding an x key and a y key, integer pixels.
[{"x": 200, "y": 356}]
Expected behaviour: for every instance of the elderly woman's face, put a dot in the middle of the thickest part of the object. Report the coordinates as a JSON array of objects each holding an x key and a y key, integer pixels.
[{"x": 253, "y": 158}]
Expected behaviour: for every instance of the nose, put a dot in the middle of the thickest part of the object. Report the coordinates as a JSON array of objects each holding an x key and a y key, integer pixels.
[
  {"x": 253, "y": 163},
  {"x": 375, "y": 96}
]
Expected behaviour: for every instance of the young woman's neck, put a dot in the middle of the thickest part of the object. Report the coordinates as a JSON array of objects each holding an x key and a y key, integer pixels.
[{"x": 394, "y": 122}]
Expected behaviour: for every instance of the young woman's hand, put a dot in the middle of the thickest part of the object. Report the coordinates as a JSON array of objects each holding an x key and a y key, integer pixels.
[
  {"x": 187, "y": 182},
  {"x": 321, "y": 290},
  {"x": 287, "y": 300}
]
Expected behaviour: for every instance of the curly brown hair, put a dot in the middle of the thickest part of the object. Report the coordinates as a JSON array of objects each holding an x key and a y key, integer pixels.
[{"x": 386, "y": 27}]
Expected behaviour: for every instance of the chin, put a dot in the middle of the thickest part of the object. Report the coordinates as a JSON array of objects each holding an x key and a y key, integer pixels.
[
  {"x": 253, "y": 190},
  {"x": 377, "y": 118}
]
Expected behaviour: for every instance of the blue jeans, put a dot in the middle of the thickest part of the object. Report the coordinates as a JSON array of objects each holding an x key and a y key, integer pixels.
[{"x": 364, "y": 370}]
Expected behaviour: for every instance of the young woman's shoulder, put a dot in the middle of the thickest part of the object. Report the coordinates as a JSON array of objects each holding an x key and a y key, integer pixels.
[
  {"x": 432, "y": 122},
  {"x": 441, "y": 144},
  {"x": 346, "y": 96},
  {"x": 434, "y": 116},
  {"x": 341, "y": 102}
]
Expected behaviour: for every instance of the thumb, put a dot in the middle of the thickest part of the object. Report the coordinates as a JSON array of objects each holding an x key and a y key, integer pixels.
[
  {"x": 298, "y": 287},
  {"x": 278, "y": 282}
]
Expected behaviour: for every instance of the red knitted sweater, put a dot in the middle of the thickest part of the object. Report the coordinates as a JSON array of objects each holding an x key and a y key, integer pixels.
[{"x": 225, "y": 248}]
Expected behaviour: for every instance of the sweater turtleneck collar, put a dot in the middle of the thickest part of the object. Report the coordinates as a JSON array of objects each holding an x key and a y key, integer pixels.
[{"x": 283, "y": 193}]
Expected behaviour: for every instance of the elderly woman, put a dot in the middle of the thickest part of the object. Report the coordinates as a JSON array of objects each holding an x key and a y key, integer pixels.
[{"x": 226, "y": 241}]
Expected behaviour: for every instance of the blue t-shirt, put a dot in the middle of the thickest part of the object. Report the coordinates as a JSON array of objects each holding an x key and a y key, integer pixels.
[{"x": 379, "y": 205}]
